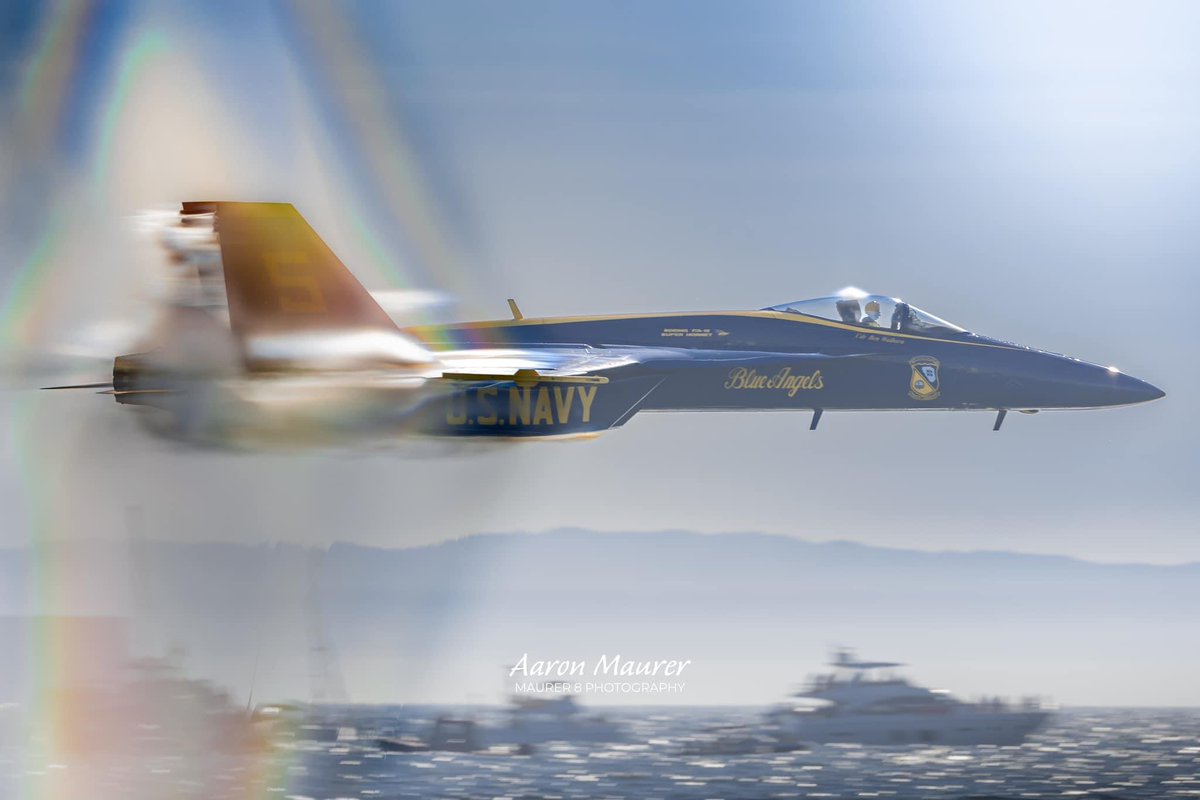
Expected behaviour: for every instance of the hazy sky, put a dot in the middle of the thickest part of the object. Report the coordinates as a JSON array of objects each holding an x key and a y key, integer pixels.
[
  {"x": 1027, "y": 171},
  {"x": 755, "y": 614}
]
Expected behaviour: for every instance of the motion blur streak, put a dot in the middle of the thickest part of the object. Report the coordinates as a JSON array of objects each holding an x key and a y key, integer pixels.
[
  {"x": 18, "y": 312},
  {"x": 123, "y": 95},
  {"x": 138, "y": 60},
  {"x": 348, "y": 87},
  {"x": 118, "y": 109}
]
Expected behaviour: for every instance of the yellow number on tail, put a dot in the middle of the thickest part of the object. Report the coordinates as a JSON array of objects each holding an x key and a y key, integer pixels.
[{"x": 292, "y": 271}]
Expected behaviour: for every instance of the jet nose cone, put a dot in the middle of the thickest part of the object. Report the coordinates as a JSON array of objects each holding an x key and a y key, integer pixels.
[
  {"x": 1142, "y": 391},
  {"x": 1056, "y": 381},
  {"x": 1125, "y": 389}
]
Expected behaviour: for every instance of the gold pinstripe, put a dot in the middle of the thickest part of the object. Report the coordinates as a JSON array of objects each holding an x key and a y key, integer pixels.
[{"x": 777, "y": 315}]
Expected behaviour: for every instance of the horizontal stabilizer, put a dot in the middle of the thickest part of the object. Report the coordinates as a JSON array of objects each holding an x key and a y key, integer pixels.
[
  {"x": 523, "y": 377},
  {"x": 128, "y": 392}
]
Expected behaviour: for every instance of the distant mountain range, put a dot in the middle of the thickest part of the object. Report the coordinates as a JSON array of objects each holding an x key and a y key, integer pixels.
[{"x": 754, "y": 612}]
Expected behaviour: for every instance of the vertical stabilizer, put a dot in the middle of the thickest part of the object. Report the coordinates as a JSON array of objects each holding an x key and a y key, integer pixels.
[{"x": 292, "y": 302}]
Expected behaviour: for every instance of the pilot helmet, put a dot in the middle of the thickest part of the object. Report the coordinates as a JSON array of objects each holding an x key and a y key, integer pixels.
[{"x": 873, "y": 308}]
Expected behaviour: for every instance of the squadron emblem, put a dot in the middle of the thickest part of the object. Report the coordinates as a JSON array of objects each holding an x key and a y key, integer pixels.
[{"x": 925, "y": 383}]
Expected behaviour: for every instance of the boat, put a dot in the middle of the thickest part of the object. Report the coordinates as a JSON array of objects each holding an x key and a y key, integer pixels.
[
  {"x": 736, "y": 740},
  {"x": 868, "y": 703},
  {"x": 538, "y": 720},
  {"x": 451, "y": 735}
]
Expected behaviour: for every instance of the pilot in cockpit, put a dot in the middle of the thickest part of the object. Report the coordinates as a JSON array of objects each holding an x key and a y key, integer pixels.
[
  {"x": 871, "y": 318},
  {"x": 848, "y": 309}
]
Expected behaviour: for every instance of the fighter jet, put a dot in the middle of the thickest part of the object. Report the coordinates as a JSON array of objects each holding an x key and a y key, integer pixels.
[{"x": 295, "y": 348}]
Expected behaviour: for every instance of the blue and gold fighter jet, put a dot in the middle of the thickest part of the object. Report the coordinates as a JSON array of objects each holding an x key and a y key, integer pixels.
[{"x": 277, "y": 339}]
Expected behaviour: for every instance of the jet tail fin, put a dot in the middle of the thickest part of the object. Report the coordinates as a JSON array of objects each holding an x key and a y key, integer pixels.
[{"x": 291, "y": 300}]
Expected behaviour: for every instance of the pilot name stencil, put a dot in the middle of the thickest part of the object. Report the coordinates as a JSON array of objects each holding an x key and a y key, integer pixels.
[
  {"x": 784, "y": 380},
  {"x": 871, "y": 337}
]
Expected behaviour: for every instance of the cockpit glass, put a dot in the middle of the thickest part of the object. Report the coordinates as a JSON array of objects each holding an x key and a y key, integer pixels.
[{"x": 855, "y": 307}]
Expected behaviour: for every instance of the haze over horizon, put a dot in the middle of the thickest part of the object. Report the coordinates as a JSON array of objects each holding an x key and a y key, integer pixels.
[
  {"x": 755, "y": 614},
  {"x": 252, "y": 539}
]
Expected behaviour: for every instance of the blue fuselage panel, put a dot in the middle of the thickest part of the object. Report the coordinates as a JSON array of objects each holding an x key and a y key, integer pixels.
[{"x": 774, "y": 361}]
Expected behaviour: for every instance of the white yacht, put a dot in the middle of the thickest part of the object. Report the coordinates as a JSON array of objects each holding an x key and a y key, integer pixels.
[{"x": 866, "y": 702}]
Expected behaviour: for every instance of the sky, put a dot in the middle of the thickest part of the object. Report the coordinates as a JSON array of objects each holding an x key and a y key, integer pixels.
[{"x": 1029, "y": 173}]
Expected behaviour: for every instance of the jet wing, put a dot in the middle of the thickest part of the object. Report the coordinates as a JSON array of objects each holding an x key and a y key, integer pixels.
[{"x": 548, "y": 362}]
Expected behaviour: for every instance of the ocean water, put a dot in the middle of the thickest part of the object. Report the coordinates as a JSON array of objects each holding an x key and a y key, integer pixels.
[{"x": 1081, "y": 753}]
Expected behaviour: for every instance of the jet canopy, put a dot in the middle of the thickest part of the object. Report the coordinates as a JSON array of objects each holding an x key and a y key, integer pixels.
[{"x": 856, "y": 307}]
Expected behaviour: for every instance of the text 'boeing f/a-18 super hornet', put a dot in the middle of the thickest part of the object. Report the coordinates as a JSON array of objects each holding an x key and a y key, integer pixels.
[{"x": 281, "y": 341}]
